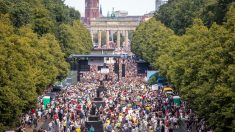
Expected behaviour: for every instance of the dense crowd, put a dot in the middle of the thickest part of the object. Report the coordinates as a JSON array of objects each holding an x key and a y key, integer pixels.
[{"x": 130, "y": 106}]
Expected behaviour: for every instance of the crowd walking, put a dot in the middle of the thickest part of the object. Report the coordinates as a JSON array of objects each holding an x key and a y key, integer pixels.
[{"x": 130, "y": 106}]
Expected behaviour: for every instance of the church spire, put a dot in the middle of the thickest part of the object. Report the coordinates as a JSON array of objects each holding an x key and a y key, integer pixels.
[{"x": 101, "y": 13}]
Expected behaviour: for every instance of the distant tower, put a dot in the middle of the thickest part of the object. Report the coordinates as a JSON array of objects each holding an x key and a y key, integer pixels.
[
  {"x": 91, "y": 10},
  {"x": 158, "y": 3},
  {"x": 101, "y": 12}
]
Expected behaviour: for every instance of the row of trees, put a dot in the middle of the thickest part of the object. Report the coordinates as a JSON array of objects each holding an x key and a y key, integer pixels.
[
  {"x": 200, "y": 60},
  {"x": 35, "y": 38},
  {"x": 179, "y": 14}
]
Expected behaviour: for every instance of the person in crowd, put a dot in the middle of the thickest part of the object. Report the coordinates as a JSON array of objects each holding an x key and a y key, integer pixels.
[{"x": 129, "y": 105}]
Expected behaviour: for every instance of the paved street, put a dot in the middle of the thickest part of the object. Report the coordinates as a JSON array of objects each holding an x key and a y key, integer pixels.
[{"x": 129, "y": 104}]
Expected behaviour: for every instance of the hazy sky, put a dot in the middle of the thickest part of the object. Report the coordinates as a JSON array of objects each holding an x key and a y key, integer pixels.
[{"x": 134, "y": 7}]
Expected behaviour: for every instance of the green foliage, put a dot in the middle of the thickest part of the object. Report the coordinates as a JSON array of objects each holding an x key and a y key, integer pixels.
[
  {"x": 200, "y": 69},
  {"x": 230, "y": 17},
  {"x": 21, "y": 13},
  {"x": 42, "y": 22},
  {"x": 4, "y": 6},
  {"x": 149, "y": 38},
  {"x": 215, "y": 11},
  {"x": 26, "y": 60},
  {"x": 179, "y": 14},
  {"x": 17, "y": 76},
  {"x": 74, "y": 38},
  {"x": 33, "y": 51},
  {"x": 60, "y": 12},
  {"x": 153, "y": 79},
  {"x": 200, "y": 63}
]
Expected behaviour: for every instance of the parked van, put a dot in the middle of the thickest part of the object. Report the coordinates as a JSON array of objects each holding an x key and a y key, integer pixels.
[{"x": 168, "y": 91}]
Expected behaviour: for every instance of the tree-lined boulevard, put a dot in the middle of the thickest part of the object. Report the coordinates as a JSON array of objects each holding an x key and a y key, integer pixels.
[{"x": 191, "y": 43}]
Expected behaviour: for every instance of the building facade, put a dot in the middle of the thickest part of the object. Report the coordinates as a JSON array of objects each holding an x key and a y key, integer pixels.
[
  {"x": 147, "y": 17},
  {"x": 121, "y": 13}
]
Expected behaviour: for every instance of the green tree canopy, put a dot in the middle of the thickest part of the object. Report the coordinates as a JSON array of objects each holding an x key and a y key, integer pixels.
[
  {"x": 149, "y": 38},
  {"x": 35, "y": 38},
  {"x": 179, "y": 14},
  {"x": 74, "y": 38},
  {"x": 200, "y": 63}
]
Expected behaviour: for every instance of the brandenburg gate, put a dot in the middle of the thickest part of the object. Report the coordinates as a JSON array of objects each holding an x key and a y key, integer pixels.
[{"x": 119, "y": 25}]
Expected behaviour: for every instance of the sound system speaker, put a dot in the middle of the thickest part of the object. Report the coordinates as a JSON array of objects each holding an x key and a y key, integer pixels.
[
  {"x": 123, "y": 70},
  {"x": 142, "y": 67},
  {"x": 99, "y": 68},
  {"x": 84, "y": 65},
  {"x": 116, "y": 68}
]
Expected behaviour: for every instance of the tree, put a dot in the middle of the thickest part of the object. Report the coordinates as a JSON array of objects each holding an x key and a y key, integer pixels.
[
  {"x": 200, "y": 63},
  {"x": 199, "y": 69},
  {"x": 215, "y": 11},
  {"x": 31, "y": 53},
  {"x": 17, "y": 89},
  {"x": 179, "y": 14},
  {"x": 74, "y": 38},
  {"x": 21, "y": 14},
  {"x": 42, "y": 22},
  {"x": 149, "y": 38}
]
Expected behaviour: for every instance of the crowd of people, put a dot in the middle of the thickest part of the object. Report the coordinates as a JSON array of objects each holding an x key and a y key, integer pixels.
[{"x": 130, "y": 106}]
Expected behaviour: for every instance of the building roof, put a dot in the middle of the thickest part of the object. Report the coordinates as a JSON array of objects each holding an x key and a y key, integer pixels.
[
  {"x": 121, "y": 11},
  {"x": 94, "y": 56},
  {"x": 103, "y": 49},
  {"x": 125, "y": 18}
]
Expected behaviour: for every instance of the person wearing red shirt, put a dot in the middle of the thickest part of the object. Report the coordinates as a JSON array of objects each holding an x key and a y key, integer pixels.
[{"x": 33, "y": 111}]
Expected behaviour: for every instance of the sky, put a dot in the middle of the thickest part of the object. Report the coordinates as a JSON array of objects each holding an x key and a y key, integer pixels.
[{"x": 134, "y": 7}]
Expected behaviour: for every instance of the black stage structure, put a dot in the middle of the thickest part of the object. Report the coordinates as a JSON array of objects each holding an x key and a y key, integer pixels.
[
  {"x": 81, "y": 63},
  {"x": 142, "y": 66}
]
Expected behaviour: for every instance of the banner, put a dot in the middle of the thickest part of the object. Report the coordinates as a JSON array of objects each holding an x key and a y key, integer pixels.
[
  {"x": 104, "y": 70},
  {"x": 155, "y": 87},
  {"x": 96, "y": 61}
]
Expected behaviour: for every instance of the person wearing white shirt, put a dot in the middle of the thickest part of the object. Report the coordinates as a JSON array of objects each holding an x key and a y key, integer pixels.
[{"x": 39, "y": 114}]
